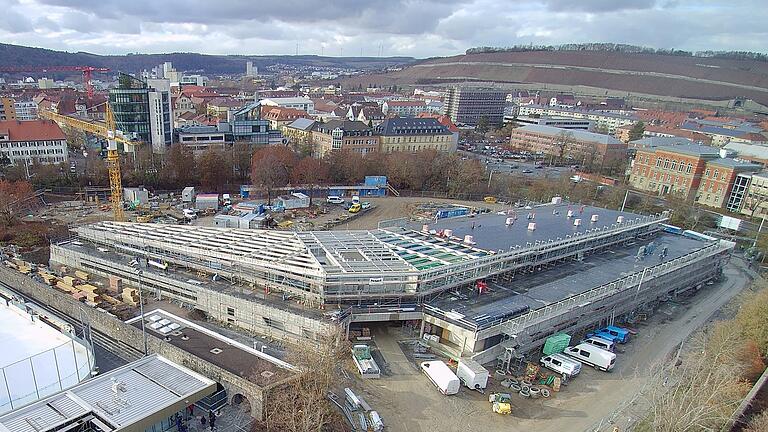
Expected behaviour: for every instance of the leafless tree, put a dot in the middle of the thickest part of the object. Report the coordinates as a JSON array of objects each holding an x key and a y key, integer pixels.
[{"x": 302, "y": 405}]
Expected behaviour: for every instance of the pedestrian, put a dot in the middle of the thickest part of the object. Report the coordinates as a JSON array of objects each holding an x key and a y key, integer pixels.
[
  {"x": 212, "y": 419},
  {"x": 202, "y": 420}
]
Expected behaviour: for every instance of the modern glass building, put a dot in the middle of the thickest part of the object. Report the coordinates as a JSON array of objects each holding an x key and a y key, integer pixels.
[{"x": 143, "y": 110}]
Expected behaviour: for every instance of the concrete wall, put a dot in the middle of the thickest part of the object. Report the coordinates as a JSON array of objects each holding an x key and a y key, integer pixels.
[{"x": 132, "y": 336}]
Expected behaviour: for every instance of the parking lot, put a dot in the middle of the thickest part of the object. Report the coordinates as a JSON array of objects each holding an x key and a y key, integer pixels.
[{"x": 594, "y": 400}]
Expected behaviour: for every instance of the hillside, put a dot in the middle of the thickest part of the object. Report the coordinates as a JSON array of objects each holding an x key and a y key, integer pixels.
[
  {"x": 15, "y": 55},
  {"x": 654, "y": 74}
]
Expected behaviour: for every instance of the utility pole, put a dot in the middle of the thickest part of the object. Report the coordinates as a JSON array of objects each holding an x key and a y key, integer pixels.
[
  {"x": 490, "y": 176},
  {"x": 760, "y": 228},
  {"x": 626, "y": 195},
  {"x": 135, "y": 264}
]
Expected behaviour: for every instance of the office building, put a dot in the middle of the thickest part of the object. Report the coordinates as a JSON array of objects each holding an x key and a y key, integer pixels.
[
  {"x": 558, "y": 122},
  {"x": 603, "y": 121},
  {"x": 755, "y": 201},
  {"x": 25, "y": 110},
  {"x": 7, "y": 111},
  {"x": 404, "y": 108},
  {"x": 302, "y": 103},
  {"x": 577, "y": 146},
  {"x": 195, "y": 80},
  {"x": 466, "y": 105},
  {"x": 27, "y": 142},
  {"x": 143, "y": 110},
  {"x": 343, "y": 134},
  {"x": 414, "y": 134},
  {"x": 201, "y": 138}
]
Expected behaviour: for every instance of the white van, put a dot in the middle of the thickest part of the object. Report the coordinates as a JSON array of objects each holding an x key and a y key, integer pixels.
[
  {"x": 600, "y": 343},
  {"x": 564, "y": 365},
  {"x": 592, "y": 355}
]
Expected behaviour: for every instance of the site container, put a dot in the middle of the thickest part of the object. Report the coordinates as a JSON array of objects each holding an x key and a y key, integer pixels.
[
  {"x": 441, "y": 376},
  {"x": 451, "y": 212},
  {"x": 472, "y": 374},
  {"x": 188, "y": 194}
]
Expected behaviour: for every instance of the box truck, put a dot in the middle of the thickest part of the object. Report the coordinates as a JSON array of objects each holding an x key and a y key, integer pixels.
[
  {"x": 472, "y": 374},
  {"x": 441, "y": 376}
]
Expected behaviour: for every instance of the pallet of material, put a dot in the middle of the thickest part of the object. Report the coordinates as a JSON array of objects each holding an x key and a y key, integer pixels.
[
  {"x": 79, "y": 296},
  {"x": 69, "y": 280},
  {"x": 116, "y": 284},
  {"x": 93, "y": 298},
  {"x": 82, "y": 275},
  {"x": 48, "y": 278},
  {"x": 65, "y": 287},
  {"x": 130, "y": 296},
  {"x": 89, "y": 288},
  {"x": 111, "y": 300}
]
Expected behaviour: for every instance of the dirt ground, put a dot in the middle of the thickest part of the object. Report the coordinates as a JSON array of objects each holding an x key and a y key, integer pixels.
[{"x": 593, "y": 401}]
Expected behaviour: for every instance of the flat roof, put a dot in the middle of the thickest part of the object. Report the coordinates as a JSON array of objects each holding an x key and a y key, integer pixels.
[
  {"x": 575, "y": 133},
  {"x": 539, "y": 289},
  {"x": 552, "y": 222},
  {"x": 115, "y": 400},
  {"x": 232, "y": 356}
]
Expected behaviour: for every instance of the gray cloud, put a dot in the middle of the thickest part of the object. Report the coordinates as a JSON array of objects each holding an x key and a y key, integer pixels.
[{"x": 420, "y": 28}]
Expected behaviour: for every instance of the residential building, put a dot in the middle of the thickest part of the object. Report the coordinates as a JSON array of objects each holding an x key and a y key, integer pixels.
[
  {"x": 7, "y": 111},
  {"x": 31, "y": 141},
  {"x": 414, "y": 134},
  {"x": 197, "y": 80},
  {"x": 445, "y": 121},
  {"x": 653, "y": 142},
  {"x": 371, "y": 115},
  {"x": 756, "y": 200},
  {"x": 143, "y": 110},
  {"x": 724, "y": 132},
  {"x": 302, "y": 103},
  {"x": 718, "y": 179},
  {"x": 671, "y": 169},
  {"x": 202, "y": 138},
  {"x": 182, "y": 104},
  {"x": 343, "y": 134},
  {"x": 466, "y": 105},
  {"x": 25, "y": 110},
  {"x": 220, "y": 107},
  {"x": 604, "y": 121},
  {"x": 581, "y": 147},
  {"x": 558, "y": 122},
  {"x": 299, "y": 134},
  {"x": 404, "y": 108},
  {"x": 279, "y": 116},
  {"x": 622, "y": 133}
]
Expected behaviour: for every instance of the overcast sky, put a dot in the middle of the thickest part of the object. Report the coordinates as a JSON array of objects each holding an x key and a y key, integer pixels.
[{"x": 419, "y": 28}]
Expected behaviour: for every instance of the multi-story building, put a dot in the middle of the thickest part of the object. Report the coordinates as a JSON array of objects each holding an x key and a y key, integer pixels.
[
  {"x": 582, "y": 147},
  {"x": 756, "y": 199},
  {"x": 25, "y": 110},
  {"x": 247, "y": 125},
  {"x": 671, "y": 169},
  {"x": 143, "y": 109},
  {"x": 344, "y": 134},
  {"x": 467, "y": 105},
  {"x": 196, "y": 80},
  {"x": 604, "y": 121},
  {"x": 279, "y": 116},
  {"x": 693, "y": 171},
  {"x": 404, "y": 108},
  {"x": 7, "y": 111},
  {"x": 718, "y": 180},
  {"x": 414, "y": 134},
  {"x": 723, "y": 132},
  {"x": 201, "y": 138},
  {"x": 32, "y": 141},
  {"x": 558, "y": 122},
  {"x": 302, "y": 103},
  {"x": 739, "y": 191},
  {"x": 299, "y": 134}
]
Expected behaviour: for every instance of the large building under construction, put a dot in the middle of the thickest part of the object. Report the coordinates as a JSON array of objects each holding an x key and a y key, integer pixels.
[{"x": 486, "y": 285}]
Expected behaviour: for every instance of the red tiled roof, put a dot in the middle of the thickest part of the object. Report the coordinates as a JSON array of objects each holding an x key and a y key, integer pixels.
[
  {"x": 32, "y": 130},
  {"x": 443, "y": 119},
  {"x": 282, "y": 113},
  {"x": 406, "y": 103}
]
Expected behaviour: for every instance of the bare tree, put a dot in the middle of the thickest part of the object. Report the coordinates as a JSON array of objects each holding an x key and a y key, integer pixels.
[{"x": 302, "y": 405}]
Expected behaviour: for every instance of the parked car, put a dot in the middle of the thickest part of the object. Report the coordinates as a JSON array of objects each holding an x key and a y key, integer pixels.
[
  {"x": 355, "y": 208},
  {"x": 589, "y": 354},
  {"x": 564, "y": 365},
  {"x": 527, "y": 171},
  {"x": 333, "y": 199},
  {"x": 365, "y": 205},
  {"x": 612, "y": 333},
  {"x": 600, "y": 343}
]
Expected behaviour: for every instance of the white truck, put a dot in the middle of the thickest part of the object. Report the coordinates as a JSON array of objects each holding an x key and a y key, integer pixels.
[
  {"x": 441, "y": 376},
  {"x": 472, "y": 374}
]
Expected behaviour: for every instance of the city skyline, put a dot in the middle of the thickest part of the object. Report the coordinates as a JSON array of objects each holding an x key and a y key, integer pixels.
[{"x": 346, "y": 28}]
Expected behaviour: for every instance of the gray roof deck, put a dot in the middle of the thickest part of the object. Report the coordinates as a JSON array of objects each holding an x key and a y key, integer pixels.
[
  {"x": 150, "y": 386},
  {"x": 559, "y": 282},
  {"x": 491, "y": 232}
]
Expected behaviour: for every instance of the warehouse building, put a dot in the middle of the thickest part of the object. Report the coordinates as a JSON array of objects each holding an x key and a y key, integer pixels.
[{"x": 295, "y": 285}]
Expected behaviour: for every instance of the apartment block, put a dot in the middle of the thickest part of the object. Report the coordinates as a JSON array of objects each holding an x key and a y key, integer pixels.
[
  {"x": 414, "y": 134},
  {"x": 607, "y": 121},
  {"x": 344, "y": 134},
  {"x": 27, "y": 142},
  {"x": 467, "y": 105}
]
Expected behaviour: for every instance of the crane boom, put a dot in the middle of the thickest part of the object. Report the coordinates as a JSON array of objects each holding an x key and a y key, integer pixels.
[{"x": 109, "y": 131}]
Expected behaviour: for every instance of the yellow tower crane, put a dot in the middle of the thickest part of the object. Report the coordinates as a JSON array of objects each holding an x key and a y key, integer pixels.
[{"x": 109, "y": 131}]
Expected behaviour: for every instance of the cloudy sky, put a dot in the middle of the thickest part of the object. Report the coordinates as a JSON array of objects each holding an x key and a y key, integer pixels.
[{"x": 419, "y": 28}]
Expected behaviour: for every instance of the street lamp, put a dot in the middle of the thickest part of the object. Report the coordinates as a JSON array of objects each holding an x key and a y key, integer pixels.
[{"x": 135, "y": 264}]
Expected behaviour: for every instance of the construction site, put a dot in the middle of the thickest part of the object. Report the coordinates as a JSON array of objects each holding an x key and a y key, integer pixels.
[{"x": 490, "y": 286}]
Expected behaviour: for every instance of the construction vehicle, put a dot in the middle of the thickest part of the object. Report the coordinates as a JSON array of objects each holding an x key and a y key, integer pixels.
[
  {"x": 502, "y": 403},
  {"x": 109, "y": 131}
]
